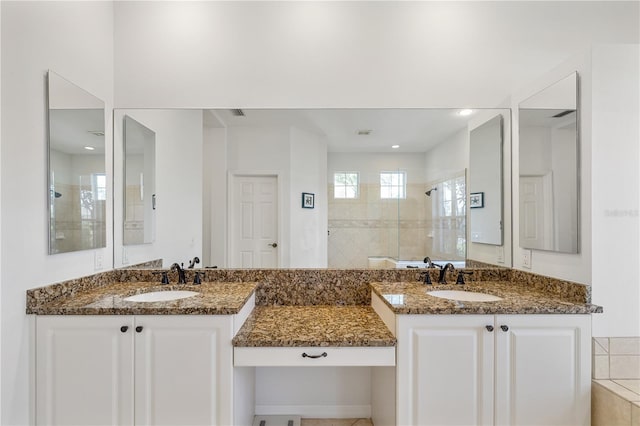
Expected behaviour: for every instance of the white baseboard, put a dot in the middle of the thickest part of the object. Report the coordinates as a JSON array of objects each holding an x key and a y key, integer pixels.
[{"x": 317, "y": 411}]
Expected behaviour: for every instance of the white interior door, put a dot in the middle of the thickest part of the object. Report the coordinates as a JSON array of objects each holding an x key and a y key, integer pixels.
[
  {"x": 254, "y": 222},
  {"x": 535, "y": 212}
]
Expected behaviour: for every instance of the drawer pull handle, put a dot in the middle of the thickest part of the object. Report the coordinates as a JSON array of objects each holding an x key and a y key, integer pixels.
[
  {"x": 124, "y": 328},
  {"x": 489, "y": 328},
  {"x": 504, "y": 328},
  {"x": 139, "y": 329},
  {"x": 322, "y": 355}
]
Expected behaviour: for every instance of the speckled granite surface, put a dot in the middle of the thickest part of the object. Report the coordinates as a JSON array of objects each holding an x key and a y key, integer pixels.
[
  {"x": 308, "y": 287},
  {"x": 313, "y": 326},
  {"x": 411, "y": 298},
  {"x": 214, "y": 299}
]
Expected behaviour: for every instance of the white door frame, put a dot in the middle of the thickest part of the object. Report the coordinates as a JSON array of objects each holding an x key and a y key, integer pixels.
[{"x": 283, "y": 246}]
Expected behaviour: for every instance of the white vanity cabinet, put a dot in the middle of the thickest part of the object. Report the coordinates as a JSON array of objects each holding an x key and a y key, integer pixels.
[
  {"x": 486, "y": 369},
  {"x": 143, "y": 370}
]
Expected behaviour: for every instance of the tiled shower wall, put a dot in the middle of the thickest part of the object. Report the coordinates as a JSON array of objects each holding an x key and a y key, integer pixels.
[
  {"x": 134, "y": 216},
  {"x": 616, "y": 357},
  {"x": 371, "y": 226},
  {"x": 69, "y": 231},
  {"x": 615, "y": 390}
]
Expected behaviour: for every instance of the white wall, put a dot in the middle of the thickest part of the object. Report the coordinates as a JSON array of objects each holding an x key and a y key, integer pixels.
[
  {"x": 75, "y": 39},
  {"x": 448, "y": 158},
  {"x": 178, "y": 183},
  {"x": 349, "y": 54},
  {"x": 325, "y": 392},
  {"x": 615, "y": 196},
  {"x": 308, "y": 227}
]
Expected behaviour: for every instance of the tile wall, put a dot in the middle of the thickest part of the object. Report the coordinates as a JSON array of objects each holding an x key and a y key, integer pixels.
[
  {"x": 615, "y": 396},
  {"x": 616, "y": 357},
  {"x": 371, "y": 226},
  {"x": 134, "y": 216},
  {"x": 69, "y": 230}
]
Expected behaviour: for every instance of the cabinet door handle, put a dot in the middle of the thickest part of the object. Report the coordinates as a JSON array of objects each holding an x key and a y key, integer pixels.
[
  {"x": 322, "y": 355},
  {"x": 124, "y": 328},
  {"x": 274, "y": 245},
  {"x": 139, "y": 329},
  {"x": 489, "y": 328},
  {"x": 504, "y": 328}
]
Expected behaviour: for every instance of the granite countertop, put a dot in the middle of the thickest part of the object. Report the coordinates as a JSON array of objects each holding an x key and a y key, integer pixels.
[
  {"x": 215, "y": 298},
  {"x": 411, "y": 298},
  {"x": 299, "y": 326}
]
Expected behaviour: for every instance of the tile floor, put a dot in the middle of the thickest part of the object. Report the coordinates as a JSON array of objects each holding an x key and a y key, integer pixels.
[{"x": 336, "y": 422}]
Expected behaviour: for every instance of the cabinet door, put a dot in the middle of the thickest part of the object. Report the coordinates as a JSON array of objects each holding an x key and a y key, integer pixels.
[
  {"x": 183, "y": 370},
  {"x": 543, "y": 370},
  {"x": 445, "y": 370},
  {"x": 84, "y": 370}
]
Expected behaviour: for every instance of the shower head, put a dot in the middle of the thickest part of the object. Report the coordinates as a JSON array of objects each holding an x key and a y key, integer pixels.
[{"x": 428, "y": 193}]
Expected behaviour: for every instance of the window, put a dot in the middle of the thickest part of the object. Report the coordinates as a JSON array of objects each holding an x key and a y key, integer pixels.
[
  {"x": 393, "y": 185},
  {"x": 93, "y": 188},
  {"x": 345, "y": 185}
]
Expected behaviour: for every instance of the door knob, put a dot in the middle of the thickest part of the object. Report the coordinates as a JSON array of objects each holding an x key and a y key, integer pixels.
[{"x": 274, "y": 245}]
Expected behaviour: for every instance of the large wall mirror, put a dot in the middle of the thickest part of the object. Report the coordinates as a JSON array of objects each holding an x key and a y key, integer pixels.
[
  {"x": 549, "y": 168},
  {"x": 336, "y": 188},
  {"x": 77, "y": 187}
]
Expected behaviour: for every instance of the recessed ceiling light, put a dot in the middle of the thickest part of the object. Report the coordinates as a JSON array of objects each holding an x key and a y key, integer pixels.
[
  {"x": 89, "y": 148},
  {"x": 364, "y": 132},
  {"x": 465, "y": 112},
  {"x": 395, "y": 146}
]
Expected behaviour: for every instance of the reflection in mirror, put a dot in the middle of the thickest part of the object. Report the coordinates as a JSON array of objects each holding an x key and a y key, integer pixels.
[
  {"x": 549, "y": 168},
  {"x": 389, "y": 187},
  {"x": 139, "y": 178},
  {"x": 77, "y": 179},
  {"x": 485, "y": 182}
]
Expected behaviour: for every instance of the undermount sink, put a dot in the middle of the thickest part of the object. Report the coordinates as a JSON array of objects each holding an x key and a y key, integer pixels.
[
  {"x": 465, "y": 296},
  {"x": 161, "y": 296}
]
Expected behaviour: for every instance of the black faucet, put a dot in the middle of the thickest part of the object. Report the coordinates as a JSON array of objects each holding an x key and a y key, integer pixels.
[
  {"x": 192, "y": 263},
  {"x": 181, "y": 278},
  {"x": 443, "y": 272},
  {"x": 165, "y": 277},
  {"x": 461, "y": 274},
  {"x": 429, "y": 263},
  {"x": 427, "y": 277}
]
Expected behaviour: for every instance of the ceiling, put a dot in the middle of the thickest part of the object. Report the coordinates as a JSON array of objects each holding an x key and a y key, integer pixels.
[
  {"x": 70, "y": 130},
  {"x": 415, "y": 130}
]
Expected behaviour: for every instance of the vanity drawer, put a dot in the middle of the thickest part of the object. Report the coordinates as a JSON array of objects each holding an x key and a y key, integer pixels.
[{"x": 313, "y": 356}]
